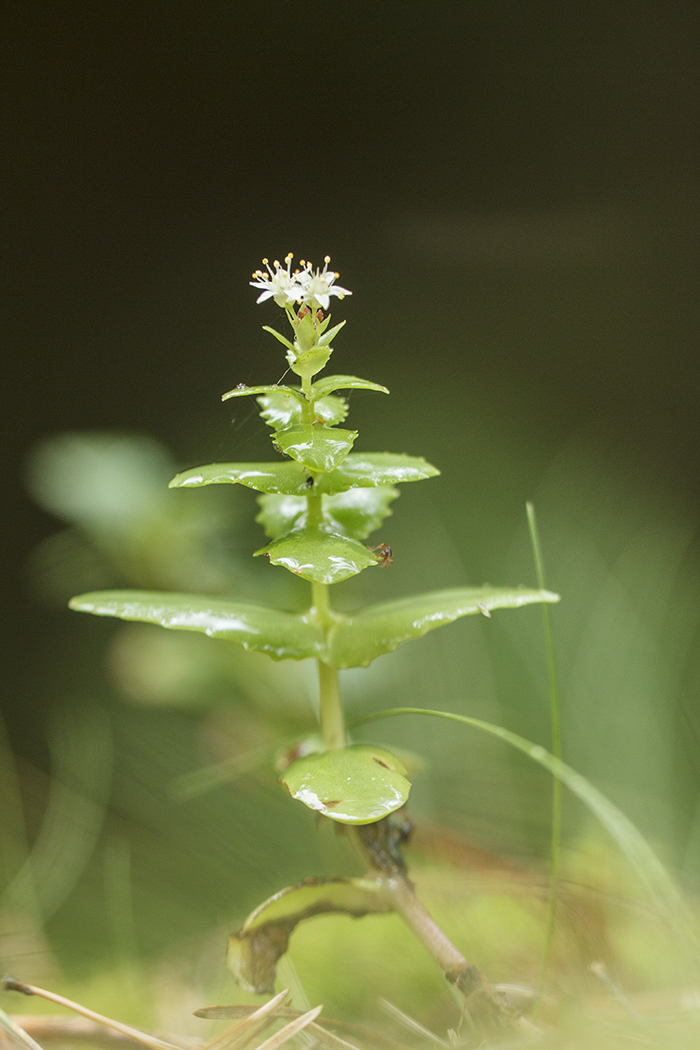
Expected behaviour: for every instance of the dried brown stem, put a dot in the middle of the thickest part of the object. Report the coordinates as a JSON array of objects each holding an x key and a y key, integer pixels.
[{"x": 488, "y": 1008}]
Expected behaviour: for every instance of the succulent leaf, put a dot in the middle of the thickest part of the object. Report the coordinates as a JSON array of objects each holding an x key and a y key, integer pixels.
[
  {"x": 328, "y": 384},
  {"x": 254, "y": 951},
  {"x": 319, "y": 448},
  {"x": 282, "y": 635},
  {"x": 319, "y": 555},
  {"x": 359, "y": 639},
  {"x": 355, "y": 785}
]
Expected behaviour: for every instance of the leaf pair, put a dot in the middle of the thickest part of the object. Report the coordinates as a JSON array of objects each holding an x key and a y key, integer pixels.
[
  {"x": 353, "y": 640},
  {"x": 356, "y": 497}
]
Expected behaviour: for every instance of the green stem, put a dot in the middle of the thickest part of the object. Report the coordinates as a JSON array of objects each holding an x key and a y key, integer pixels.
[
  {"x": 332, "y": 721},
  {"x": 314, "y": 518},
  {"x": 331, "y": 704},
  {"x": 307, "y": 409}
]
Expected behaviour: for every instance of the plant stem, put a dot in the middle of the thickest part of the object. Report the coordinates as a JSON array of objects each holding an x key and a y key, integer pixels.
[
  {"x": 331, "y": 704},
  {"x": 332, "y": 721},
  {"x": 487, "y": 1007}
]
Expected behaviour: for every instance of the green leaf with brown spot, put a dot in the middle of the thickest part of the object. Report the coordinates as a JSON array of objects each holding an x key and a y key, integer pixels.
[
  {"x": 356, "y": 785},
  {"x": 319, "y": 555}
]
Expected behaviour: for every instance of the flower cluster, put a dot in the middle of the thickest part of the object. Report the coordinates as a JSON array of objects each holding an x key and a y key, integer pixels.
[{"x": 307, "y": 286}]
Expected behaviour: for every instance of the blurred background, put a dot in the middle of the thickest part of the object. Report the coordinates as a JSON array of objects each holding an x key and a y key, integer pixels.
[{"x": 510, "y": 192}]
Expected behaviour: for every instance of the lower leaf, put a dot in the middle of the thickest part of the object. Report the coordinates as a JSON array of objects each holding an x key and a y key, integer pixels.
[
  {"x": 355, "y": 785},
  {"x": 254, "y": 951}
]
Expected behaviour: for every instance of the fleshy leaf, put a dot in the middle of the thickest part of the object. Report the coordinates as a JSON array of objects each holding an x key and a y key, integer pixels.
[
  {"x": 289, "y": 478},
  {"x": 330, "y": 383},
  {"x": 358, "y": 512},
  {"x": 319, "y": 555},
  {"x": 281, "y": 635},
  {"x": 356, "y": 785},
  {"x": 328, "y": 336},
  {"x": 279, "y": 410},
  {"x": 318, "y": 448},
  {"x": 245, "y": 391},
  {"x": 370, "y": 469},
  {"x": 309, "y": 362},
  {"x": 358, "y": 639},
  {"x": 254, "y": 951},
  {"x": 358, "y": 470},
  {"x": 355, "y": 513},
  {"x": 279, "y": 336},
  {"x": 280, "y": 514}
]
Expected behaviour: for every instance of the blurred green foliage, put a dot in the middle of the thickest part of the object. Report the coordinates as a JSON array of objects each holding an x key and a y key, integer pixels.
[{"x": 162, "y": 823}]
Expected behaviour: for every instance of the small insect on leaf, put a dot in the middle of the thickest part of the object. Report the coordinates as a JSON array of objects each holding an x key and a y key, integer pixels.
[{"x": 385, "y": 555}]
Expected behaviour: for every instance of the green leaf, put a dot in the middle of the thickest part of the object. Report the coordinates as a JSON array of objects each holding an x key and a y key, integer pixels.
[
  {"x": 358, "y": 639},
  {"x": 370, "y": 469},
  {"x": 318, "y": 448},
  {"x": 308, "y": 362},
  {"x": 632, "y": 843},
  {"x": 288, "y": 478},
  {"x": 355, "y": 513},
  {"x": 281, "y": 635},
  {"x": 278, "y": 335},
  {"x": 279, "y": 410},
  {"x": 356, "y": 785},
  {"x": 363, "y": 470},
  {"x": 330, "y": 383},
  {"x": 254, "y": 951},
  {"x": 358, "y": 512},
  {"x": 281, "y": 514},
  {"x": 318, "y": 555},
  {"x": 326, "y": 338},
  {"x": 245, "y": 391}
]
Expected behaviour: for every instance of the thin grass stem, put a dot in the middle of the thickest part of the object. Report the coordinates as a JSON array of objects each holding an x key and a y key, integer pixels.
[{"x": 555, "y": 847}]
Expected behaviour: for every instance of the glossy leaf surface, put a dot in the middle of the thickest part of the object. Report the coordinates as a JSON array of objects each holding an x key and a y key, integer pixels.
[
  {"x": 356, "y": 785},
  {"x": 281, "y": 635},
  {"x": 369, "y": 469},
  {"x": 280, "y": 410},
  {"x": 245, "y": 391},
  {"x": 358, "y": 470},
  {"x": 280, "y": 514},
  {"x": 330, "y": 383},
  {"x": 309, "y": 362},
  {"x": 358, "y": 512},
  {"x": 355, "y": 513},
  {"x": 319, "y": 448},
  {"x": 254, "y": 951},
  {"x": 318, "y": 555},
  {"x": 289, "y": 478},
  {"x": 359, "y": 639}
]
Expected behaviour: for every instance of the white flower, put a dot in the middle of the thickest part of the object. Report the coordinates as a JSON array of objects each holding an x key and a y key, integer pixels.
[
  {"x": 319, "y": 286},
  {"x": 281, "y": 285}
]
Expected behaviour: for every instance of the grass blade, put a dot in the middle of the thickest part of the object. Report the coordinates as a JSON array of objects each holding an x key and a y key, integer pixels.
[
  {"x": 630, "y": 840},
  {"x": 555, "y": 847}
]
